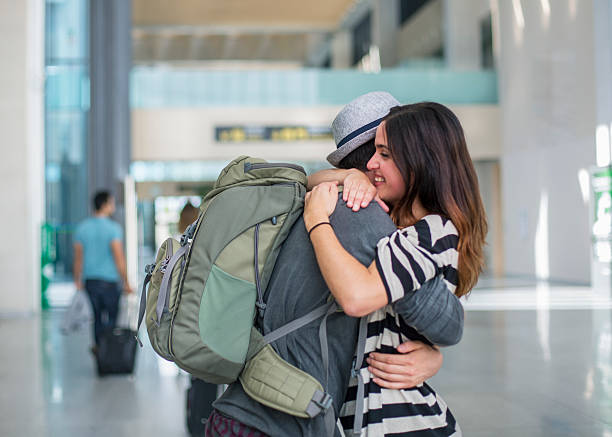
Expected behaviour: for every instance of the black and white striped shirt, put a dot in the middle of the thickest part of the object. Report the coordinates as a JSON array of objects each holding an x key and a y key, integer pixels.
[{"x": 405, "y": 260}]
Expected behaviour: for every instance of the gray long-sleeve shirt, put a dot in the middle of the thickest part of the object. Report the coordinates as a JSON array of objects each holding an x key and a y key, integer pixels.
[{"x": 297, "y": 287}]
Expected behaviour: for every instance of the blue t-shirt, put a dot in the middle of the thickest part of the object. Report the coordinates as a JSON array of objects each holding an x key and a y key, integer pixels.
[{"x": 95, "y": 234}]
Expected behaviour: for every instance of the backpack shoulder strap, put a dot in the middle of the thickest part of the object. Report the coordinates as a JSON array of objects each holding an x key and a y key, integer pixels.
[
  {"x": 280, "y": 392},
  {"x": 298, "y": 323},
  {"x": 356, "y": 371}
]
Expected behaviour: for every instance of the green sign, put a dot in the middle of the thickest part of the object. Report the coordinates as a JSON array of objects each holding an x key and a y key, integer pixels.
[{"x": 602, "y": 203}]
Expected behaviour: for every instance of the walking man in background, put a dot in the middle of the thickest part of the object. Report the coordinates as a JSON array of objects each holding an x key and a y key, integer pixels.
[{"x": 99, "y": 263}]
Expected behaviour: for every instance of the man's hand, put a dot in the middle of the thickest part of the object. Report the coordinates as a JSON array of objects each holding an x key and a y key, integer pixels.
[
  {"x": 415, "y": 363},
  {"x": 127, "y": 289}
]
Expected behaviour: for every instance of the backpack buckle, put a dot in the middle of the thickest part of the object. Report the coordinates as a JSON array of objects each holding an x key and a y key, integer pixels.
[
  {"x": 261, "y": 308},
  {"x": 354, "y": 372},
  {"x": 325, "y": 402},
  {"x": 149, "y": 269},
  {"x": 185, "y": 239},
  {"x": 188, "y": 234},
  {"x": 164, "y": 265}
]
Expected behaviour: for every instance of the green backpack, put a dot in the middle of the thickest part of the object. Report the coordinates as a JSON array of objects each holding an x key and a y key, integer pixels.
[{"x": 206, "y": 291}]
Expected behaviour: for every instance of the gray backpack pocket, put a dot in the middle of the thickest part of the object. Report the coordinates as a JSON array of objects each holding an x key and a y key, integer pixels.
[{"x": 157, "y": 304}]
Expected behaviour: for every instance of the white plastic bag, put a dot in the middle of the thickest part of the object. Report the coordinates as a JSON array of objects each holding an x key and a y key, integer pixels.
[
  {"x": 128, "y": 311},
  {"x": 79, "y": 313}
]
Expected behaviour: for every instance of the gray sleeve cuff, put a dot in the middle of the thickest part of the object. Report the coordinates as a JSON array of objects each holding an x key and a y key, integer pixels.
[{"x": 434, "y": 312}]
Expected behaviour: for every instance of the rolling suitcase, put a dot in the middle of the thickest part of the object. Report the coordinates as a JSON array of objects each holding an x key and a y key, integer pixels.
[
  {"x": 200, "y": 397},
  {"x": 116, "y": 352}
]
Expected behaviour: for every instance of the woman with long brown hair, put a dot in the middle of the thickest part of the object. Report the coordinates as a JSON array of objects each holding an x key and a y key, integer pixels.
[{"x": 423, "y": 171}]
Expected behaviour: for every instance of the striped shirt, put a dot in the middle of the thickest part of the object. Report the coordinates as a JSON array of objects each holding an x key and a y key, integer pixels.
[{"x": 405, "y": 260}]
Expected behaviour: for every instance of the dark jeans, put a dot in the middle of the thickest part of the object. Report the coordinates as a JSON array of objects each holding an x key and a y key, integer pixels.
[
  {"x": 219, "y": 425},
  {"x": 104, "y": 296}
]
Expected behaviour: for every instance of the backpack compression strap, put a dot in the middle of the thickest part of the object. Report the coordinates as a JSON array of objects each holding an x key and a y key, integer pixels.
[
  {"x": 164, "y": 290},
  {"x": 143, "y": 299}
]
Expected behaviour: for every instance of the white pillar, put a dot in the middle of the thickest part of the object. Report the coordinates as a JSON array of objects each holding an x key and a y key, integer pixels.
[
  {"x": 342, "y": 50},
  {"x": 384, "y": 30},
  {"x": 603, "y": 59},
  {"x": 601, "y": 267},
  {"x": 21, "y": 166},
  {"x": 462, "y": 22},
  {"x": 548, "y": 118}
]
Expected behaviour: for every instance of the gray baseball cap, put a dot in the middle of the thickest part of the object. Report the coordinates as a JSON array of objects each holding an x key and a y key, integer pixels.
[{"x": 356, "y": 123}]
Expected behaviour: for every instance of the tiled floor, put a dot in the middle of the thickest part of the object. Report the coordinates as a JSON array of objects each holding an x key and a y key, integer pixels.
[
  {"x": 531, "y": 373},
  {"x": 49, "y": 388},
  {"x": 534, "y": 361}
]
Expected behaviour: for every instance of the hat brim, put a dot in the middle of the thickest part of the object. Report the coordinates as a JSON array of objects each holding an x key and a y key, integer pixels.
[{"x": 337, "y": 155}]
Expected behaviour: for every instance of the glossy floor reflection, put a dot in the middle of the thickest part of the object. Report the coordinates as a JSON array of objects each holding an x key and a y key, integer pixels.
[
  {"x": 49, "y": 387},
  {"x": 518, "y": 372},
  {"x": 531, "y": 373}
]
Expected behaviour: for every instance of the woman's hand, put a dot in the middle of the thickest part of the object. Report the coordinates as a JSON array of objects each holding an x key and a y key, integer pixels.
[
  {"x": 359, "y": 191},
  {"x": 415, "y": 363},
  {"x": 320, "y": 203}
]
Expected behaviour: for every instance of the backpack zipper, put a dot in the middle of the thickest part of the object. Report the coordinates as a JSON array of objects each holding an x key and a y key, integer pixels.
[
  {"x": 259, "y": 303},
  {"x": 196, "y": 226},
  {"x": 248, "y": 166}
]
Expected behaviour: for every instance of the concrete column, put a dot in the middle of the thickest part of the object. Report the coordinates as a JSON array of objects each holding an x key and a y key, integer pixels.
[
  {"x": 603, "y": 60},
  {"x": 342, "y": 50},
  {"x": 601, "y": 267},
  {"x": 22, "y": 163},
  {"x": 462, "y": 33},
  {"x": 385, "y": 23},
  {"x": 548, "y": 118},
  {"x": 110, "y": 54}
]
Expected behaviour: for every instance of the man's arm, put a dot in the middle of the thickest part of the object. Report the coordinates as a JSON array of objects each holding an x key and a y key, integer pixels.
[
  {"x": 327, "y": 175},
  {"x": 358, "y": 190},
  {"x": 77, "y": 265},
  {"x": 434, "y": 312},
  {"x": 119, "y": 257}
]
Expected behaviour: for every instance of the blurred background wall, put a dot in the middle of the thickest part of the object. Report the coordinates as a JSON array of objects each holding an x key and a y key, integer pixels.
[{"x": 151, "y": 98}]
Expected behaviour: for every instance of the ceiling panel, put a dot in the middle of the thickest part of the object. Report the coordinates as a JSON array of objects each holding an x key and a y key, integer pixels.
[
  {"x": 315, "y": 14},
  {"x": 233, "y": 30}
]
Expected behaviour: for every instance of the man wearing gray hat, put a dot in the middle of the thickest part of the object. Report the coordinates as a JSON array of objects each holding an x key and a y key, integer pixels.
[
  {"x": 355, "y": 125},
  {"x": 296, "y": 287}
]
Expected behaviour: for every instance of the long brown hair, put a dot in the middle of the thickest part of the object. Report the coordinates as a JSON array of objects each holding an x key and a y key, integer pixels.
[{"x": 427, "y": 144}]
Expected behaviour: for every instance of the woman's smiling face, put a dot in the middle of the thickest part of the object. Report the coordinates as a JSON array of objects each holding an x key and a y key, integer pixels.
[{"x": 387, "y": 178}]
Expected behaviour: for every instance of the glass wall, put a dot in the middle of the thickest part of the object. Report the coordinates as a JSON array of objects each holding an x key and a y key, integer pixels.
[{"x": 66, "y": 132}]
